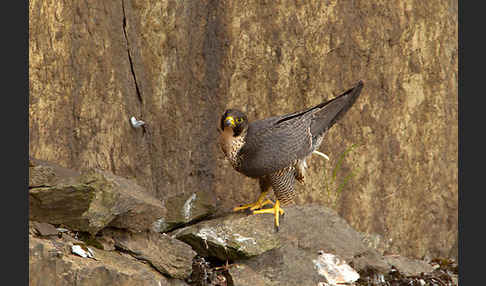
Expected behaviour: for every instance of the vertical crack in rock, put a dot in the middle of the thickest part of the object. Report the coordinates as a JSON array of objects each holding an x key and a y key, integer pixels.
[{"x": 129, "y": 54}]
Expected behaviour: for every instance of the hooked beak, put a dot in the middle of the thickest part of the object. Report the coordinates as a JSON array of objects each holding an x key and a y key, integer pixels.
[{"x": 229, "y": 122}]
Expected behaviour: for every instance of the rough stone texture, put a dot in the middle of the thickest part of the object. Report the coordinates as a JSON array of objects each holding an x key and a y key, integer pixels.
[
  {"x": 168, "y": 255},
  {"x": 235, "y": 236},
  {"x": 45, "y": 174},
  {"x": 408, "y": 266},
  {"x": 90, "y": 201},
  {"x": 132, "y": 207},
  {"x": 243, "y": 275},
  {"x": 105, "y": 240},
  {"x": 377, "y": 242},
  {"x": 454, "y": 253},
  {"x": 44, "y": 229},
  {"x": 178, "y": 64},
  {"x": 51, "y": 263},
  {"x": 66, "y": 204},
  {"x": 304, "y": 233},
  {"x": 188, "y": 207}
]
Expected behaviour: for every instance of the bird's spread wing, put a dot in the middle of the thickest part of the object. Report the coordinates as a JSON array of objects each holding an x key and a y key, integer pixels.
[{"x": 275, "y": 143}]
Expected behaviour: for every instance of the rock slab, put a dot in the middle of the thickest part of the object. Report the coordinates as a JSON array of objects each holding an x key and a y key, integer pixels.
[
  {"x": 187, "y": 207},
  {"x": 231, "y": 237},
  {"x": 89, "y": 201},
  {"x": 261, "y": 256},
  {"x": 50, "y": 263},
  {"x": 168, "y": 255}
]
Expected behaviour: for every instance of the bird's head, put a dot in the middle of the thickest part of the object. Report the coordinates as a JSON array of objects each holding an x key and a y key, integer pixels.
[{"x": 234, "y": 119}]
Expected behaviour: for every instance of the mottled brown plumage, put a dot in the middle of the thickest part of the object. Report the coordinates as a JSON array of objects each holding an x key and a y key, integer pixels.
[{"x": 275, "y": 149}]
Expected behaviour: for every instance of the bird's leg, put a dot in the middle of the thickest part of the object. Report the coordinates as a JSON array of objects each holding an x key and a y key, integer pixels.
[
  {"x": 260, "y": 202},
  {"x": 282, "y": 182},
  {"x": 276, "y": 210},
  {"x": 265, "y": 186},
  {"x": 300, "y": 171}
]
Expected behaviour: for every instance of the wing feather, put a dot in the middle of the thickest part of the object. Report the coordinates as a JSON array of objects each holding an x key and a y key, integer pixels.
[
  {"x": 271, "y": 145},
  {"x": 276, "y": 142}
]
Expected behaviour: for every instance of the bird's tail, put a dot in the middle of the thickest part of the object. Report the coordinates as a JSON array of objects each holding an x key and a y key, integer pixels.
[{"x": 330, "y": 112}]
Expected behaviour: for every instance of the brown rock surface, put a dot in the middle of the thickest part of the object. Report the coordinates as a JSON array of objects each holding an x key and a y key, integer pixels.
[
  {"x": 132, "y": 207},
  {"x": 90, "y": 201},
  {"x": 236, "y": 236},
  {"x": 243, "y": 275},
  {"x": 255, "y": 253},
  {"x": 259, "y": 255},
  {"x": 408, "y": 266},
  {"x": 51, "y": 263},
  {"x": 45, "y": 174},
  {"x": 168, "y": 255},
  {"x": 44, "y": 229},
  {"x": 305, "y": 231},
  {"x": 188, "y": 207},
  {"x": 178, "y": 64}
]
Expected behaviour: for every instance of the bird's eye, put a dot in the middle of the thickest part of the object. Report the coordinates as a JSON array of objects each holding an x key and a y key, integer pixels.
[{"x": 239, "y": 120}]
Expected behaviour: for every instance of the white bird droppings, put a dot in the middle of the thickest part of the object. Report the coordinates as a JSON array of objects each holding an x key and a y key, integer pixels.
[
  {"x": 188, "y": 206},
  {"x": 77, "y": 249},
  {"x": 335, "y": 270}
]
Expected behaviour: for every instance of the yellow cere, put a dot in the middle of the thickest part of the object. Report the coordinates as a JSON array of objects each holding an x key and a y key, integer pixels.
[{"x": 231, "y": 120}]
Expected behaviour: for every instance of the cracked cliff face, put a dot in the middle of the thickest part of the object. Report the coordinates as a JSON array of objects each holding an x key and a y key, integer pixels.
[
  {"x": 129, "y": 53},
  {"x": 93, "y": 93},
  {"x": 177, "y": 65}
]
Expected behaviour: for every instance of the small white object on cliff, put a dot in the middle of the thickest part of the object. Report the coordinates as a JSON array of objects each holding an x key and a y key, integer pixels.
[
  {"x": 77, "y": 249},
  {"x": 188, "y": 206},
  {"x": 335, "y": 270},
  {"x": 135, "y": 122}
]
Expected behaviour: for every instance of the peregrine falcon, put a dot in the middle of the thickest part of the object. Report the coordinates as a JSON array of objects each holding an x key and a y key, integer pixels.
[{"x": 274, "y": 150}]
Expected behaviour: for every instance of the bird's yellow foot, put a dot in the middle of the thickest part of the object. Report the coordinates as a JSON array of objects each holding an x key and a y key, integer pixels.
[
  {"x": 261, "y": 202},
  {"x": 276, "y": 210}
]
